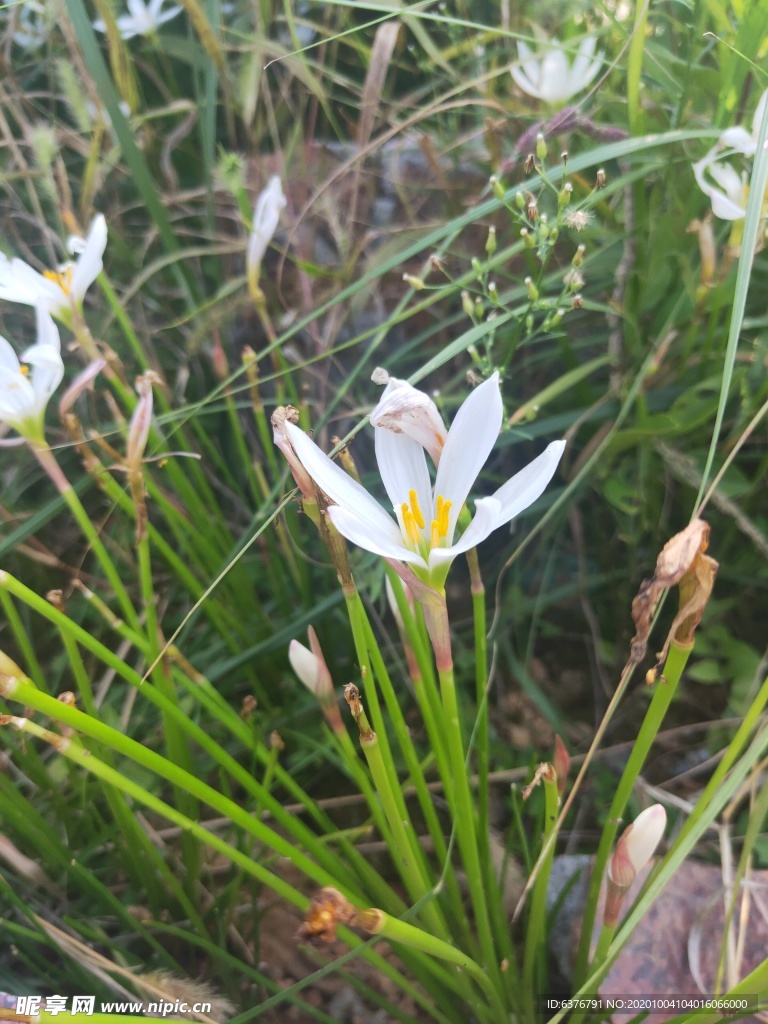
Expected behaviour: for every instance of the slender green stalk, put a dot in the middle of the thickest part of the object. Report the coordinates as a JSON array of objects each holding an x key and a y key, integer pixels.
[
  {"x": 408, "y": 935},
  {"x": 534, "y": 957},
  {"x": 654, "y": 717},
  {"x": 48, "y": 462}
]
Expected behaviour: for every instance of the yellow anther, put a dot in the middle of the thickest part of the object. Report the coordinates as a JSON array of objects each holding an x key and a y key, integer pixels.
[
  {"x": 409, "y": 522},
  {"x": 63, "y": 278},
  {"x": 416, "y": 510},
  {"x": 443, "y": 516},
  {"x": 434, "y": 540},
  {"x": 24, "y": 370}
]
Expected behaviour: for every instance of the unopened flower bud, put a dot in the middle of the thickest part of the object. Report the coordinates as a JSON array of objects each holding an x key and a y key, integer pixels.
[
  {"x": 141, "y": 421},
  {"x": 266, "y": 216},
  {"x": 564, "y": 195},
  {"x": 541, "y": 147},
  {"x": 557, "y": 316},
  {"x": 528, "y": 240},
  {"x": 532, "y": 207},
  {"x": 519, "y": 200},
  {"x": 415, "y": 282},
  {"x": 530, "y": 287},
  {"x": 578, "y": 256},
  {"x": 600, "y": 179},
  {"x": 543, "y": 230},
  {"x": 493, "y": 294},
  {"x": 490, "y": 242},
  {"x": 311, "y": 668},
  {"x": 466, "y": 304},
  {"x": 637, "y": 845},
  {"x": 496, "y": 187},
  {"x": 477, "y": 267}
]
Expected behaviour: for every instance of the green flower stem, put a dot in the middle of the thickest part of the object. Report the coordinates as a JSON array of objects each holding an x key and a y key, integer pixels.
[
  {"x": 425, "y": 689},
  {"x": 465, "y": 822},
  {"x": 357, "y": 620},
  {"x": 607, "y": 933},
  {"x": 47, "y": 460},
  {"x": 20, "y": 636},
  {"x": 534, "y": 957},
  {"x": 413, "y": 765},
  {"x": 409, "y": 867},
  {"x": 407, "y": 934},
  {"x": 654, "y": 717},
  {"x": 481, "y": 696},
  {"x": 175, "y": 740}
]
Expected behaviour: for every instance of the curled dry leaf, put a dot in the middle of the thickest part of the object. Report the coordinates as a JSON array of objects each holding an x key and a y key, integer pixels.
[{"x": 682, "y": 562}]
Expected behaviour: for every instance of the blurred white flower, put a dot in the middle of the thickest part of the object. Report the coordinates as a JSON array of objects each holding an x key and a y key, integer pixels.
[
  {"x": 552, "y": 76},
  {"x": 34, "y": 25},
  {"x": 142, "y": 19},
  {"x": 62, "y": 289},
  {"x": 266, "y": 216},
  {"x": 24, "y": 392},
  {"x": 726, "y": 187}
]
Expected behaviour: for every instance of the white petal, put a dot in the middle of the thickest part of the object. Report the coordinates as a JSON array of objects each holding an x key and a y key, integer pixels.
[
  {"x": 47, "y": 331},
  {"x": 521, "y": 79},
  {"x": 723, "y": 206},
  {"x": 167, "y": 15},
  {"x": 304, "y": 664},
  {"x": 647, "y": 830},
  {"x": 8, "y": 358},
  {"x": 404, "y": 409},
  {"x": 339, "y": 486},
  {"x": 20, "y": 283},
  {"x": 89, "y": 264},
  {"x": 554, "y": 77},
  {"x": 527, "y": 485},
  {"x": 388, "y": 544},
  {"x": 403, "y": 467},
  {"x": 48, "y": 369},
  {"x": 738, "y": 139},
  {"x": 472, "y": 435},
  {"x": 484, "y": 522}
]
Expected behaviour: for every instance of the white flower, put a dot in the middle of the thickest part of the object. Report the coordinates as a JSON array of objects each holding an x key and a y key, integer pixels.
[
  {"x": 142, "y": 19},
  {"x": 726, "y": 187},
  {"x": 637, "y": 845},
  {"x": 24, "y": 393},
  {"x": 426, "y": 516},
  {"x": 266, "y": 216},
  {"x": 61, "y": 289},
  {"x": 551, "y": 77},
  {"x": 35, "y": 24}
]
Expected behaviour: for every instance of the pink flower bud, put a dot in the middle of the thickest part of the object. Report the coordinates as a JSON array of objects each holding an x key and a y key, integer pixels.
[{"x": 637, "y": 845}]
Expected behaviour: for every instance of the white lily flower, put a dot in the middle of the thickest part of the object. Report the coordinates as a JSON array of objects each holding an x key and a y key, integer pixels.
[
  {"x": 24, "y": 393},
  {"x": 62, "y": 289},
  {"x": 422, "y": 535},
  {"x": 726, "y": 187},
  {"x": 552, "y": 77},
  {"x": 266, "y": 217},
  {"x": 142, "y": 19}
]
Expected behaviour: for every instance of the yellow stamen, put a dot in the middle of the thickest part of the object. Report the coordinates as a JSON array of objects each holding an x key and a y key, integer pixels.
[
  {"x": 434, "y": 540},
  {"x": 444, "y": 511},
  {"x": 409, "y": 522},
  {"x": 416, "y": 510},
  {"x": 24, "y": 370},
  {"x": 63, "y": 278}
]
